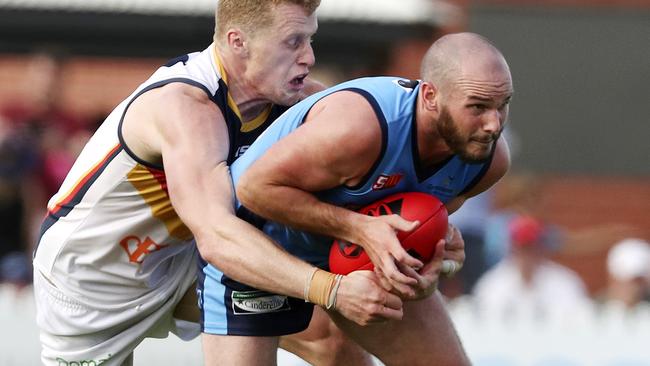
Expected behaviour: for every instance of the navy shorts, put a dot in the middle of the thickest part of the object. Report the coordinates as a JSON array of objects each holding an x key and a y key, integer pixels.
[{"x": 232, "y": 308}]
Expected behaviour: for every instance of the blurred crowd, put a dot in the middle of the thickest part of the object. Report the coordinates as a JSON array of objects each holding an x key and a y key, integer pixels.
[
  {"x": 511, "y": 247},
  {"x": 39, "y": 141},
  {"x": 515, "y": 274}
]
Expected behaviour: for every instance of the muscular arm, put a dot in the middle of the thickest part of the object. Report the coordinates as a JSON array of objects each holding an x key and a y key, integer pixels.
[
  {"x": 190, "y": 137},
  {"x": 337, "y": 145}
]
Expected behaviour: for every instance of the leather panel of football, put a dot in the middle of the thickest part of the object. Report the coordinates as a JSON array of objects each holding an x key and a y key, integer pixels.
[{"x": 423, "y": 207}]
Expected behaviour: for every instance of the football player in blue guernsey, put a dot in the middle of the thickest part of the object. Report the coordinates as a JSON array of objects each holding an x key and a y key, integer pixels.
[{"x": 362, "y": 140}]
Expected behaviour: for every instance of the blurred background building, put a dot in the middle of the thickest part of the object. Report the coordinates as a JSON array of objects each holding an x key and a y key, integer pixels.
[{"x": 579, "y": 128}]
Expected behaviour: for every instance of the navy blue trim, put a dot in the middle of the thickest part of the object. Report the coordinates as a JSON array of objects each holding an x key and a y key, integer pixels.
[
  {"x": 53, "y": 217},
  {"x": 200, "y": 284},
  {"x": 176, "y": 60},
  {"x": 146, "y": 89},
  {"x": 384, "y": 134},
  {"x": 486, "y": 166}
]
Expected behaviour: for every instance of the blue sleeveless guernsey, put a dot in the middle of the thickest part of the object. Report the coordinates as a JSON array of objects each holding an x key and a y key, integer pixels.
[{"x": 396, "y": 170}]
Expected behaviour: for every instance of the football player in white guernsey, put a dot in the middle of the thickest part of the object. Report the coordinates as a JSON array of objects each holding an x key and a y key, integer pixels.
[
  {"x": 116, "y": 251},
  {"x": 340, "y": 139}
]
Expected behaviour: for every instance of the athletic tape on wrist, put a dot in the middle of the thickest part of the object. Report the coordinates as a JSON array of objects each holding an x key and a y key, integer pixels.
[
  {"x": 320, "y": 287},
  {"x": 331, "y": 302},
  {"x": 308, "y": 284}
]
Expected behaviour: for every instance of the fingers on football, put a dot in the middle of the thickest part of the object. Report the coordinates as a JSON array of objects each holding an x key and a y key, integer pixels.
[
  {"x": 401, "y": 224},
  {"x": 403, "y": 257},
  {"x": 436, "y": 261},
  {"x": 383, "y": 281},
  {"x": 398, "y": 279}
]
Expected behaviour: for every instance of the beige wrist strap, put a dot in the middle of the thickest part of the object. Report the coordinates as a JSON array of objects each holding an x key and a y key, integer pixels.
[
  {"x": 331, "y": 302},
  {"x": 308, "y": 284},
  {"x": 320, "y": 287}
]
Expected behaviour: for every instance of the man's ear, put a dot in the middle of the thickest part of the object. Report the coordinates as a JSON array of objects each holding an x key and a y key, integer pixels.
[
  {"x": 237, "y": 41},
  {"x": 430, "y": 96}
]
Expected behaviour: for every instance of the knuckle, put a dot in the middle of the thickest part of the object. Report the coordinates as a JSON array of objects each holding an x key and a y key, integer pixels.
[{"x": 376, "y": 309}]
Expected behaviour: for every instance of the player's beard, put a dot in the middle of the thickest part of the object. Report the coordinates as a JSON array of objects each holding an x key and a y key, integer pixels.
[{"x": 459, "y": 143}]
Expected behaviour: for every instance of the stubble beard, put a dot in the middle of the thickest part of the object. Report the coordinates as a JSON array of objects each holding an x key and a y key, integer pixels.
[{"x": 458, "y": 143}]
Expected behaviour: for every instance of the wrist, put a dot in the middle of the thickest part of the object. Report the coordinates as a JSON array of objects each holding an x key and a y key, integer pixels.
[
  {"x": 321, "y": 288},
  {"x": 351, "y": 226}
]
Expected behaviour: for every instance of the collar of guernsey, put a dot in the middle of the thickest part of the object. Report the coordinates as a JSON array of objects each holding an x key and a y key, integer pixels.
[{"x": 248, "y": 125}]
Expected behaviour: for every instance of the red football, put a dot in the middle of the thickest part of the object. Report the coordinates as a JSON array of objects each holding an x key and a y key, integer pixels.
[{"x": 420, "y": 243}]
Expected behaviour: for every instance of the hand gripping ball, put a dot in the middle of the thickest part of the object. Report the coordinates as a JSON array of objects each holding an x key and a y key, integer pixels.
[{"x": 420, "y": 243}]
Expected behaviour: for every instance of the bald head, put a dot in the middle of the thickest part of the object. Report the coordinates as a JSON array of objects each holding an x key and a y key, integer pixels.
[{"x": 463, "y": 56}]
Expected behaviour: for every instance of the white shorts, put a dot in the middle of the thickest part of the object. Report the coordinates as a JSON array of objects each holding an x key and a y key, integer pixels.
[{"x": 74, "y": 334}]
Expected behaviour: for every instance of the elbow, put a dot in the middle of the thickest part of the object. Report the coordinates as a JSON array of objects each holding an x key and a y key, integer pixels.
[
  {"x": 208, "y": 250},
  {"x": 245, "y": 191},
  {"x": 217, "y": 248}
]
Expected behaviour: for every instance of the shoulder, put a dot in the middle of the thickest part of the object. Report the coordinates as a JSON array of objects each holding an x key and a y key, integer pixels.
[
  {"x": 355, "y": 116},
  {"x": 346, "y": 111},
  {"x": 174, "y": 94},
  {"x": 176, "y": 102}
]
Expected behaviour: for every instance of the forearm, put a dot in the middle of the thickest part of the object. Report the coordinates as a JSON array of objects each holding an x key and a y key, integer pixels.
[
  {"x": 300, "y": 210},
  {"x": 246, "y": 255}
]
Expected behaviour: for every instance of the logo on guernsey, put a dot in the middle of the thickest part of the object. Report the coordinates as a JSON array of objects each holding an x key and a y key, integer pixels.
[
  {"x": 258, "y": 302},
  {"x": 385, "y": 181},
  {"x": 64, "y": 362},
  {"x": 241, "y": 150},
  {"x": 406, "y": 84},
  {"x": 394, "y": 207},
  {"x": 137, "y": 249}
]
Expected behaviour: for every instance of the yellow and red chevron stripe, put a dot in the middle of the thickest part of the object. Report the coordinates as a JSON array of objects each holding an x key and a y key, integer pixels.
[
  {"x": 151, "y": 184},
  {"x": 78, "y": 190},
  {"x": 73, "y": 196}
]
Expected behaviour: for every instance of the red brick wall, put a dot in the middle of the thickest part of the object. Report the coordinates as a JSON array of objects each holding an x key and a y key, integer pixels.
[
  {"x": 599, "y": 212},
  {"x": 89, "y": 86},
  {"x": 594, "y": 213}
]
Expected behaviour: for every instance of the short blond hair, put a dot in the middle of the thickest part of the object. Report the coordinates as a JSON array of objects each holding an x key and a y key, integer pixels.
[{"x": 251, "y": 15}]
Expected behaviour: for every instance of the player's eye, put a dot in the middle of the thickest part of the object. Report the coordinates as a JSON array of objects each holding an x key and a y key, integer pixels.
[
  {"x": 477, "y": 107},
  {"x": 294, "y": 42}
]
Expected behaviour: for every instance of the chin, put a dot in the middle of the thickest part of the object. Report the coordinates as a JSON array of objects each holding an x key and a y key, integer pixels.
[
  {"x": 475, "y": 155},
  {"x": 288, "y": 99}
]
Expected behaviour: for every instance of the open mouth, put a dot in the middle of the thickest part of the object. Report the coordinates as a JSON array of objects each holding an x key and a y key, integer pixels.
[{"x": 298, "y": 82}]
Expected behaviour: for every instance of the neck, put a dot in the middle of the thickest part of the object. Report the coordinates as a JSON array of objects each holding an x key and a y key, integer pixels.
[{"x": 242, "y": 92}]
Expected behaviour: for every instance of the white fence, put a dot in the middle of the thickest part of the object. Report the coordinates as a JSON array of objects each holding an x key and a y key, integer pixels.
[{"x": 596, "y": 339}]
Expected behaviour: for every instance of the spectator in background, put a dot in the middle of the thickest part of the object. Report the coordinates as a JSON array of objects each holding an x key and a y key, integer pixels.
[
  {"x": 39, "y": 111},
  {"x": 516, "y": 195},
  {"x": 628, "y": 268},
  {"x": 39, "y": 140},
  {"x": 526, "y": 284},
  {"x": 523, "y": 194},
  {"x": 17, "y": 164},
  {"x": 470, "y": 220}
]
